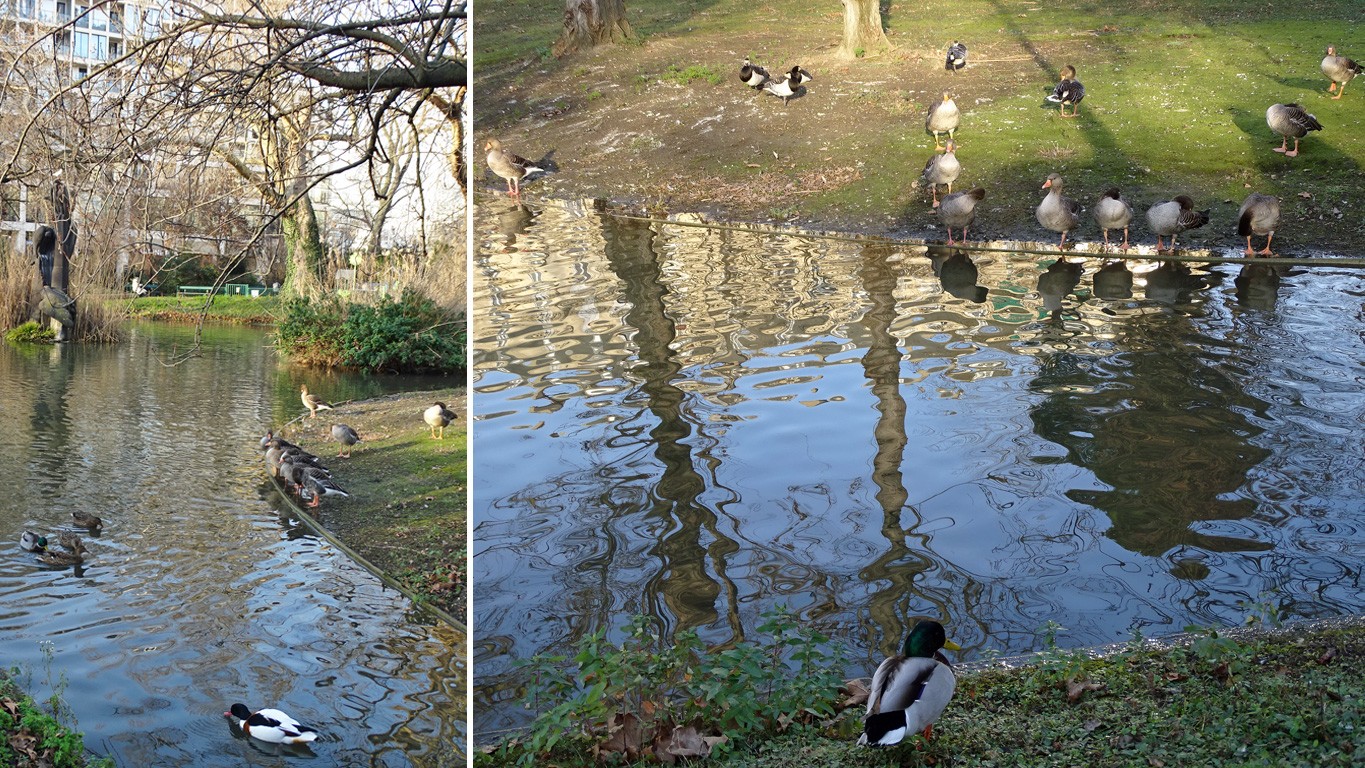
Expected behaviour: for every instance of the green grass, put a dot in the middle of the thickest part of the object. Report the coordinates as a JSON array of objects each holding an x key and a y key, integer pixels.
[
  {"x": 261, "y": 310},
  {"x": 31, "y": 737}
]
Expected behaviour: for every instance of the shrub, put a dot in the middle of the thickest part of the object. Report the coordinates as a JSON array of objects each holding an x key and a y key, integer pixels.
[{"x": 410, "y": 335}]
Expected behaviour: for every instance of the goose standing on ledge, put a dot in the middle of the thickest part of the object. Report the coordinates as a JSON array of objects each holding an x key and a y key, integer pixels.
[
  {"x": 943, "y": 117},
  {"x": 1339, "y": 70},
  {"x": 1171, "y": 217},
  {"x": 509, "y": 165},
  {"x": 753, "y": 75},
  {"x": 942, "y": 169},
  {"x": 789, "y": 84},
  {"x": 911, "y": 690},
  {"x": 1290, "y": 120},
  {"x": 1068, "y": 91},
  {"x": 959, "y": 210},
  {"x": 1111, "y": 212},
  {"x": 1058, "y": 212},
  {"x": 957, "y": 57},
  {"x": 1258, "y": 215}
]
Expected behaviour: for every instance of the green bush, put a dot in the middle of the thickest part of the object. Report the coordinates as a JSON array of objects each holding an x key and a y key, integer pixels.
[
  {"x": 410, "y": 335},
  {"x": 31, "y": 333},
  {"x": 30, "y": 736}
]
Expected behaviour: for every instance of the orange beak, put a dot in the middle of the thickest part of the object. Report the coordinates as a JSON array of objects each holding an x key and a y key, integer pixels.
[{"x": 1046, "y": 184}]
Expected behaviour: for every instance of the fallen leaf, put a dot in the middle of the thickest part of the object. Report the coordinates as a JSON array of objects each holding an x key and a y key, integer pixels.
[
  {"x": 686, "y": 742},
  {"x": 856, "y": 692},
  {"x": 1328, "y": 655},
  {"x": 1078, "y": 688},
  {"x": 1306, "y": 195},
  {"x": 624, "y": 739}
]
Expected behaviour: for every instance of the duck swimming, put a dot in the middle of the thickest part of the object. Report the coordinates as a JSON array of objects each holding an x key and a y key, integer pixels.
[{"x": 270, "y": 725}]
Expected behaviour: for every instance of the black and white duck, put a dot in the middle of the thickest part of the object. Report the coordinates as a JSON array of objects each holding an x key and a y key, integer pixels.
[
  {"x": 790, "y": 84},
  {"x": 438, "y": 417},
  {"x": 1068, "y": 91},
  {"x": 270, "y": 725},
  {"x": 957, "y": 57},
  {"x": 753, "y": 75},
  {"x": 910, "y": 691}
]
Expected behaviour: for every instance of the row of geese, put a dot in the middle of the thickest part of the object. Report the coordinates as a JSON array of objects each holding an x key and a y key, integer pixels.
[{"x": 73, "y": 550}]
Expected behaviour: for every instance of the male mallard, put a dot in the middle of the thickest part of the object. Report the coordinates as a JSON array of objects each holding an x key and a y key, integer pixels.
[
  {"x": 1290, "y": 120},
  {"x": 959, "y": 210},
  {"x": 58, "y": 557},
  {"x": 1339, "y": 70},
  {"x": 909, "y": 691},
  {"x": 1259, "y": 215},
  {"x": 86, "y": 520},
  {"x": 509, "y": 165},
  {"x": 942, "y": 169},
  {"x": 270, "y": 725},
  {"x": 312, "y": 402},
  {"x": 1068, "y": 91},
  {"x": 957, "y": 57},
  {"x": 1171, "y": 217},
  {"x": 347, "y": 436},
  {"x": 752, "y": 75},
  {"x": 1058, "y": 212},
  {"x": 1111, "y": 212},
  {"x": 789, "y": 84},
  {"x": 943, "y": 117},
  {"x": 32, "y": 542},
  {"x": 438, "y": 417}
]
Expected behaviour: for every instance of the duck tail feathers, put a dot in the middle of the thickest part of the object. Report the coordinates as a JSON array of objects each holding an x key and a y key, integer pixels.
[
  {"x": 884, "y": 729},
  {"x": 1244, "y": 224}
]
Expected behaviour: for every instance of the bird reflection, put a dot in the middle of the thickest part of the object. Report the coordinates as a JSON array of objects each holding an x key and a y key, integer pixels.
[
  {"x": 1258, "y": 286},
  {"x": 1060, "y": 279},
  {"x": 1172, "y": 283},
  {"x": 513, "y": 222},
  {"x": 1114, "y": 281},
  {"x": 956, "y": 273}
]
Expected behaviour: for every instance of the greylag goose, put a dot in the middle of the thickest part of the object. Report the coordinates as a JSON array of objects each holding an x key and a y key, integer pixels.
[
  {"x": 315, "y": 485},
  {"x": 1290, "y": 120},
  {"x": 909, "y": 691},
  {"x": 312, "y": 402},
  {"x": 957, "y": 57},
  {"x": 1068, "y": 91},
  {"x": 1171, "y": 217},
  {"x": 438, "y": 417},
  {"x": 1058, "y": 212},
  {"x": 942, "y": 169},
  {"x": 789, "y": 84},
  {"x": 344, "y": 434},
  {"x": 752, "y": 75},
  {"x": 943, "y": 117},
  {"x": 509, "y": 165},
  {"x": 1111, "y": 212},
  {"x": 1258, "y": 215},
  {"x": 1339, "y": 70},
  {"x": 959, "y": 210}
]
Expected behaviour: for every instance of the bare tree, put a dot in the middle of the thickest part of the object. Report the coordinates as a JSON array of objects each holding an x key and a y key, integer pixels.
[
  {"x": 862, "y": 29},
  {"x": 592, "y": 22}
]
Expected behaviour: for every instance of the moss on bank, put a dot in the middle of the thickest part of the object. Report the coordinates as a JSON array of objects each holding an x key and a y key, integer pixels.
[{"x": 407, "y": 509}]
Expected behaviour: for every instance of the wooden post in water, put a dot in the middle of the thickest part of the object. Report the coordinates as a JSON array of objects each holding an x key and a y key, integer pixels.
[{"x": 55, "y": 247}]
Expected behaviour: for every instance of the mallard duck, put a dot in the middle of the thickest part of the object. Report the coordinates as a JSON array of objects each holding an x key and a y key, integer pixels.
[
  {"x": 1339, "y": 70},
  {"x": 1290, "y": 120},
  {"x": 312, "y": 402},
  {"x": 942, "y": 169},
  {"x": 438, "y": 417},
  {"x": 1058, "y": 212},
  {"x": 910, "y": 691},
  {"x": 32, "y": 542},
  {"x": 86, "y": 520},
  {"x": 270, "y": 725},
  {"x": 957, "y": 57},
  {"x": 1068, "y": 91},
  {"x": 1259, "y": 215},
  {"x": 1171, "y": 217},
  {"x": 943, "y": 117},
  {"x": 316, "y": 485},
  {"x": 789, "y": 84},
  {"x": 1111, "y": 212},
  {"x": 509, "y": 165},
  {"x": 959, "y": 210},
  {"x": 347, "y": 436},
  {"x": 753, "y": 75},
  {"x": 58, "y": 557}
]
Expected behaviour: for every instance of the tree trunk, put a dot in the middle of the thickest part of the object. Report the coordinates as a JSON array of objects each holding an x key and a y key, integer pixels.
[
  {"x": 590, "y": 22},
  {"x": 303, "y": 246},
  {"x": 862, "y": 29}
]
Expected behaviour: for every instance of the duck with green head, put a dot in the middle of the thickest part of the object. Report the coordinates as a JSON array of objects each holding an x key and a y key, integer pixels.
[
  {"x": 57, "y": 557},
  {"x": 910, "y": 691},
  {"x": 32, "y": 542}
]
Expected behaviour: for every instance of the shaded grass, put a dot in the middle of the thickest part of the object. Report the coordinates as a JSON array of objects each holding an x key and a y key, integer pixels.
[
  {"x": 31, "y": 737},
  {"x": 407, "y": 509},
  {"x": 243, "y": 310}
]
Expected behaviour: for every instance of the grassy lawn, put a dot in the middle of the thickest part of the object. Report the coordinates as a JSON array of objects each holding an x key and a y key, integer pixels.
[
  {"x": 1176, "y": 101},
  {"x": 246, "y": 310}
]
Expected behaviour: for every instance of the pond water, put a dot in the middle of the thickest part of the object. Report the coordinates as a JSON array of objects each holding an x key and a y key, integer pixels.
[
  {"x": 201, "y": 590},
  {"x": 698, "y": 425}
]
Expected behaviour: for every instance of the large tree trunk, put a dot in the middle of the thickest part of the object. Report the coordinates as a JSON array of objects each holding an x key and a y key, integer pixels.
[
  {"x": 862, "y": 29},
  {"x": 590, "y": 22},
  {"x": 303, "y": 243}
]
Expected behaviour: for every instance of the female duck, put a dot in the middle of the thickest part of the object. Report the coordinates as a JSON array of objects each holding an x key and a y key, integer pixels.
[
  {"x": 910, "y": 691},
  {"x": 58, "y": 557}
]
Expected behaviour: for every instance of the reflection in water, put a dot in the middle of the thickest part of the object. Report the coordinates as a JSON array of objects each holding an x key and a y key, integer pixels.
[
  {"x": 698, "y": 425},
  {"x": 194, "y": 595}
]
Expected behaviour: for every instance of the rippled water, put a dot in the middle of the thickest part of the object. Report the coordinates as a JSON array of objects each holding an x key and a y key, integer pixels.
[
  {"x": 201, "y": 590},
  {"x": 699, "y": 424}
]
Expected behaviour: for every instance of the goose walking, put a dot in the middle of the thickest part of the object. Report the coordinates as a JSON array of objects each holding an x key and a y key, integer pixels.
[
  {"x": 958, "y": 210},
  {"x": 943, "y": 117},
  {"x": 1068, "y": 91},
  {"x": 752, "y": 75},
  {"x": 1290, "y": 120},
  {"x": 789, "y": 84},
  {"x": 509, "y": 166},
  {"x": 957, "y": 57},
  {"x": 1111, "y": 212},
  {"x": 270, "y": 725},
  {"x": 1339, "y": 69},
  {"x": 1058, "y": 212},
  {"x": 1171, "y": 217},
  {"x": 911, "y": 690},
  {"x": 942, "y": 169},
  {"x": 1258, "y": 215}
]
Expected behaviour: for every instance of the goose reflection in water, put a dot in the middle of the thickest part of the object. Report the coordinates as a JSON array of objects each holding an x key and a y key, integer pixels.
[
  {"x": 956, "y": 273},
  {"x": 1060, "y": 279},
  {"x": 1258, "y": 286},
  {"x": 1114, "y": 281},
  {"x": 1173, "y": 283}
]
